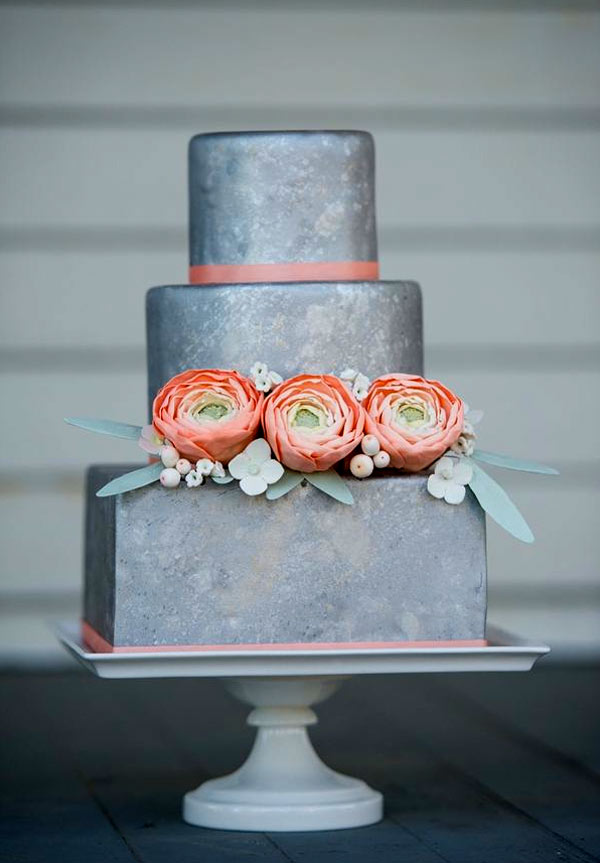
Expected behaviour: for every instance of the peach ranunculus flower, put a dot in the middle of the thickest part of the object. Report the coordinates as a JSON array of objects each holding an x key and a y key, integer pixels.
[
  {"x": 415, "y": 420},
  {"x": 208, "y": 413},
  {"x": 312, "y": 422}
]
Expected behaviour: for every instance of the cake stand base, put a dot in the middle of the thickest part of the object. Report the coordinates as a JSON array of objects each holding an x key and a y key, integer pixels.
[{"x": 283, "y": 785}]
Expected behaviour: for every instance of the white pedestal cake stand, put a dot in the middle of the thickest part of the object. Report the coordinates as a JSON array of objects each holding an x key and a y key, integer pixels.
[{"x": 283, "y": 785}]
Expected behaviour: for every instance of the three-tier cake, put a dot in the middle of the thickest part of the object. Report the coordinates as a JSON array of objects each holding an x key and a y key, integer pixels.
[{"x": 283, "y": 269}]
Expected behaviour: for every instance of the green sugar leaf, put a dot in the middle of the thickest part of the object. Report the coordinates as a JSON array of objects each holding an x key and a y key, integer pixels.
[
  {"x": 331, "y": 483},
  {"x": 132, "y": 480},
  {"x": 108, "y": 427},
  {"x": 495, "y": 501},
  {"x": 499, "y": 460},
  {"x": 288, "y": 481}
]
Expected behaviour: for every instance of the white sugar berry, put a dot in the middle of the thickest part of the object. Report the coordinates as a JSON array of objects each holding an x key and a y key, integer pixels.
[
  {"x": 170, "y": 477},
  {"x": 381, "y": 459},
  {"x": 370, "y": 444},
  {"x": 169, "y": 456},
  {"x": 361, "y": 466},
  {"x": 183, "y": 466}
]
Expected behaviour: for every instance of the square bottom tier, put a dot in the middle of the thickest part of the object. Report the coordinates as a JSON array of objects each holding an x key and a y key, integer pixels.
[{"x": 209, "y": 567}]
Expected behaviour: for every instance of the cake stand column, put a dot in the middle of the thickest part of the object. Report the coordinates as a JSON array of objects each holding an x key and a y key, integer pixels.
[{"x": 283, "y": 784}]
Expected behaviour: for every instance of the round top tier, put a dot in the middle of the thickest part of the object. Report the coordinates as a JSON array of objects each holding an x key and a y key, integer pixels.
[{"x": 282, "y": 206}]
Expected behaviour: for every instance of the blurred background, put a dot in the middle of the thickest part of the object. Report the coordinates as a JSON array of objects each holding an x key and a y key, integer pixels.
[{"x": 486, "y": 118}]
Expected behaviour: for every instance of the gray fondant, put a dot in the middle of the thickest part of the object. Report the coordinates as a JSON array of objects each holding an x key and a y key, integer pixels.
[
  {"x": 212, "y": 566},
  {"x": 296, "y": 327},
  {"x": 99, "y": 589},
  {"x": 281, "y": 197}
]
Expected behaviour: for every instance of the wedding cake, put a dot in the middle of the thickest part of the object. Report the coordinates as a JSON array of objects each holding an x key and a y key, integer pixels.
[{"x": 289, "y": 500}]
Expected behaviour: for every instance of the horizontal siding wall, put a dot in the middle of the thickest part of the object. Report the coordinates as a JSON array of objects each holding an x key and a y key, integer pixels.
[
  {"x": 455, "y": 180},
  {"x": 487, "y": 126}
]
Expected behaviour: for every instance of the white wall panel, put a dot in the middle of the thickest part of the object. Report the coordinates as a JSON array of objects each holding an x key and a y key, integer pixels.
[
  {"x": 47, "y": 558},
  {"x": 36, "y": 404},
  {"x": 474, "y": 299},
  {"x": 487, "y": 135},
  {"x": 83, "y": 178},
  {"x": 146, "y": 55}
]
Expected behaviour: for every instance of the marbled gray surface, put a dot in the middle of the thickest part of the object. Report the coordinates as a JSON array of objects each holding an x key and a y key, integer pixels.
[
  {"x": 212, "y": 566},
  {"x": 99, "y": 589},
  {"x": 318, "y": 327},
  {"x": 273, "y": 197}
]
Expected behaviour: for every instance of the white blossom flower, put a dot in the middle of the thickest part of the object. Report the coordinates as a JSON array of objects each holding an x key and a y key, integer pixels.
[
  {"x": 218, "y": 470},
  {"x": 194, "y": 479},
  {"x": 356, "y": 382},
  {"x": 264, "y": 378},
  {"x": 449, "y": 479},
  {"x": 360, "y": 388},
  {"x": 259, "y": 370},
  {"x": 254, "y": 467},
  {"x": 465, "y": 445},
  {"x": 204, "y": 466},
  {"x": 262, "y": 383}
]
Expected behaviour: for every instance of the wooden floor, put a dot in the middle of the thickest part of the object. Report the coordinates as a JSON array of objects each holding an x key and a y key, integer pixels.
[{"x": 494, "y": 767}]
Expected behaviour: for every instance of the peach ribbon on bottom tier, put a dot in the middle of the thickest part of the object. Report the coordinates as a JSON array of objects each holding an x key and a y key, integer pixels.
[{"x": 98, "y": 644}]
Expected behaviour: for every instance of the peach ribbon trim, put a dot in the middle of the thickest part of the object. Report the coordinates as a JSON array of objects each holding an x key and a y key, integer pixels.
[
  {"x": 306, "y": 271},
  {"x": 99, "y": 644}
]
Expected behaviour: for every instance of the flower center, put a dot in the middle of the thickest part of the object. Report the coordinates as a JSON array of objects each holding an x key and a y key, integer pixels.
[
  {"x": 212, "y": 411},
  {"x": 308, "y": 416},
  {"x": 211, "y": 407},
  {"x": 253, "y": 468},
  {"x": 414, "y": 414}
]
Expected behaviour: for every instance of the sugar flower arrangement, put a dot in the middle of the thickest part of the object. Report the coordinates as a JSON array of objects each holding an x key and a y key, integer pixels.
[{"x": 271, "y": 434}]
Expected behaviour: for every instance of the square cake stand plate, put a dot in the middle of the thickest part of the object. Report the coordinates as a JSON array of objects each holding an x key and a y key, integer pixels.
[{"x": 283, "y": 785}]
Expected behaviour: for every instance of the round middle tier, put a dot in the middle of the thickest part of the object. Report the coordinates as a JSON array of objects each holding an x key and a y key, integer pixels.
[{"x": 294, "y": 327}]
